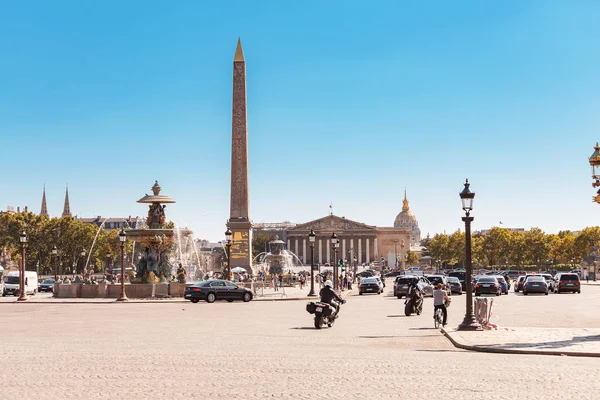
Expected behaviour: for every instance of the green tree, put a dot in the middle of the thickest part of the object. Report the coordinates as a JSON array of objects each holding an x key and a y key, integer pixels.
[
  {"x": 259, "y": 242},
  {"x": 411, "y": 258}
]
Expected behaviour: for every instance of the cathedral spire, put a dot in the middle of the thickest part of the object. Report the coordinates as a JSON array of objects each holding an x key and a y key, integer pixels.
[
  {"x": 405, "y": 207},
  {"x": 67, "y": 207},
  {"x": 44, "y": 210}
]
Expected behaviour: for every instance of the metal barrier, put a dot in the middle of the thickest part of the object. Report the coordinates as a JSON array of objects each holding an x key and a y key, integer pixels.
[{"x": 483, "y": 309}]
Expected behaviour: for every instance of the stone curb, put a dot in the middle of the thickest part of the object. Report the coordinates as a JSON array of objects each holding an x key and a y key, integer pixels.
[
  {"x": 483, "y": 349},
  {"x": 159, "y": 301}
]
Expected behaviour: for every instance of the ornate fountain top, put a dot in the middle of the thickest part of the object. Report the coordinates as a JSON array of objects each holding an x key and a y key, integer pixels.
[{"x": 156, "y": 197}]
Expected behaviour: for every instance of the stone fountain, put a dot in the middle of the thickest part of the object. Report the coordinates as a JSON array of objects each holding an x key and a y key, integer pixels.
[
  {"x": 278, "y": 259},
  {"x": 154, "y": 265}
]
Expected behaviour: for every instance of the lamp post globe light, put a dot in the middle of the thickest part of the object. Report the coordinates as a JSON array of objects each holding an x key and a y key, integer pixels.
[
  {"x": 54, "y": 253},
  {"x": 23, "y": 241},
  {"x": 334, "y": 240},
  {"x": 311, "y": 240},
  {"x": 228, "y": 236},
  {"x": 469, "y": 323},
  {"x": 122, "y": 240}
]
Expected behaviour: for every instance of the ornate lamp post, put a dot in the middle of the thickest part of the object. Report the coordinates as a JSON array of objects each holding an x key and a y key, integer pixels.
[
  {"x": 334, "y": 240},
  {"x": 395, "y": 252},
  {"x": 311, "y": 239},
  {"x": 83, "y": 259},
  {"x": 23, "y": 240},
  {"x": 54, "y": 253},
  {"x": 228, "y": 236},
  {"x": 403, "y": 255},
  {"x": 122, "y": 239},
  {"x": 469, "y": 323},
  {"x": 595, "y": 164},
  {"x": 108, "y": 270}
]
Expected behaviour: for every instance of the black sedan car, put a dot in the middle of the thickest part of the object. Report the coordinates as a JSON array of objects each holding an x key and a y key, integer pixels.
[
  {"x": 46, "y": 286},
  {"x": 487, "y": 285},
  {"x": 535, "y": 284},
  {"x": 216, "y": 289}
]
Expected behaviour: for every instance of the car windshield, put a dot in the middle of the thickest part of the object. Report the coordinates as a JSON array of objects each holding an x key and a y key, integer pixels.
[
  {"x": 369, "y": 280},
  {"x": 403, "y": 280},
  {"x": 521, "y": 278},
  {"x": 11, "y": 280},
  {"x": 48, "y": 281},
  {"x": 486, "y": 279},
  {"x": 569, "y": 277},
  {"x": 435, "y": 279},
  {"x": 535, "y": 279},
  {"x": 453, "y": 279}
]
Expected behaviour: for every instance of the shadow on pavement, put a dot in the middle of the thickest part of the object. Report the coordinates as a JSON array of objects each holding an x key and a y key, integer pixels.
[{"x": 545, "y": 345}]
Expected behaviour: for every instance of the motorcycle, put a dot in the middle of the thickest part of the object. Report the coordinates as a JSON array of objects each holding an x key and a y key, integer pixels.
[
  {"x": 325, "y": 314},
  {"x": 413, "y": 303}
]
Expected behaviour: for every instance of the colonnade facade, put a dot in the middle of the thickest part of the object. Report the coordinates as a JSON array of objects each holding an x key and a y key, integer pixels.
[{"x": 352, "y": 245}]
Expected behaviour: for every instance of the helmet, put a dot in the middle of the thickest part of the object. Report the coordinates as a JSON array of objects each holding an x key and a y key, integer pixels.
[{"x": 328, "y": 283}]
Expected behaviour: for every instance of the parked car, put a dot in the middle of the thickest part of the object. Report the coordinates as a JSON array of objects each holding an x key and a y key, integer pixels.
[
  {"x": 567, "y": 282},
  {"x": 519, "y": 283},
  {"x": 455, "y": 286},
  {"x": 535, "y": 284},
  {"x": 370, "y": 285},
  {"x": 503, "y": 284},
  {"x": 435, "y": 279},
  {"x": 488, "y": 284},
  {"x": 47, "y": 285},
  {"x": 216, "y": 289}
]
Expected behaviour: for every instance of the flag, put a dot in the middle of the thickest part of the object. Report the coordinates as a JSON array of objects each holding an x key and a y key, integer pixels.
[
  {"x": 500, "y": 222},
  {"x": 331, "y": 205}
]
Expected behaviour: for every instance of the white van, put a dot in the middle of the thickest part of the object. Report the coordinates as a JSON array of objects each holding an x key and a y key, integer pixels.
[{"x": 12, "y": 282}]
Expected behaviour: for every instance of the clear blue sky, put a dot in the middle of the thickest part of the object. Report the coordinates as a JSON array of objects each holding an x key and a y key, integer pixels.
[{"x": 348, "y": 103}]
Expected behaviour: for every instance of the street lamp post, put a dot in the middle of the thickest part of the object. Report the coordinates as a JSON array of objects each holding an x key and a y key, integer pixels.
[
  {"x": 83, "y": 259},
  {"x": 334, "y": 240},
  {"x": 228, "y": 236},
  {"x": 54, "y": 253},
  {"x": 23, "y": 240},
  {"x": 403, "y": 257},
  {"x": 122, "y": 239},
  {"x": 108, "y": 270},
  {"x": 311, "y": 239},
  {"x": 469, "y": 323},
  {"x": 396, "y": 252}
]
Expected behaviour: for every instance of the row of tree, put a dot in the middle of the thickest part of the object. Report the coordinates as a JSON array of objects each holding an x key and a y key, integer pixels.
[
  {"x": 503, "y": 247},
  {"x": 70, "y": 237}
]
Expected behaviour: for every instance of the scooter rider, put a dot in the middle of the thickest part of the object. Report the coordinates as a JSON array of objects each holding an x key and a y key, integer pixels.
[{"x": 328, "y": 296}]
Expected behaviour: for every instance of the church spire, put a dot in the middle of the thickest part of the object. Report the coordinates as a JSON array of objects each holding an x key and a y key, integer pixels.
[
  {"x": 405, "y": 207},
  {"x": 67, "y": 207},
  {"x": 44, "y": 210}
]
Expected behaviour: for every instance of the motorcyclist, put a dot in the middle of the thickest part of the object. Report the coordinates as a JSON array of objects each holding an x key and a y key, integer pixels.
[{"x": 328, "y": 296}]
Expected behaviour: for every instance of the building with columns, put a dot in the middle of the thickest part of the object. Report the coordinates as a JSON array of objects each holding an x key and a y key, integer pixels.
[{"x": 365, "y": 243}]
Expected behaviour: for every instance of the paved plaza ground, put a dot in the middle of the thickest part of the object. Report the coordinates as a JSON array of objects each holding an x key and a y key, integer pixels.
[{"x": 269, "y": 349}]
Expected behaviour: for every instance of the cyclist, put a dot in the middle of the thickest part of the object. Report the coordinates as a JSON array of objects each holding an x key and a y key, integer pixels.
[{"x": 440, "y": 297}]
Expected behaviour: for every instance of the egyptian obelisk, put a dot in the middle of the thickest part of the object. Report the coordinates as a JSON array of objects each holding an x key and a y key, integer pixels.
[{"x": 239, "y": 215}]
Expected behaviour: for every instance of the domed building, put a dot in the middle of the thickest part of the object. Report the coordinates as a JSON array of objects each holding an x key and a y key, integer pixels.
[{"x": 407, "y": 220}]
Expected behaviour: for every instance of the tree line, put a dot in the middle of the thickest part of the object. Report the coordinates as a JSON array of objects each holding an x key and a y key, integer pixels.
[
  {"x": 70, "y": 236},
  {"x": 501, "y": 247}
]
